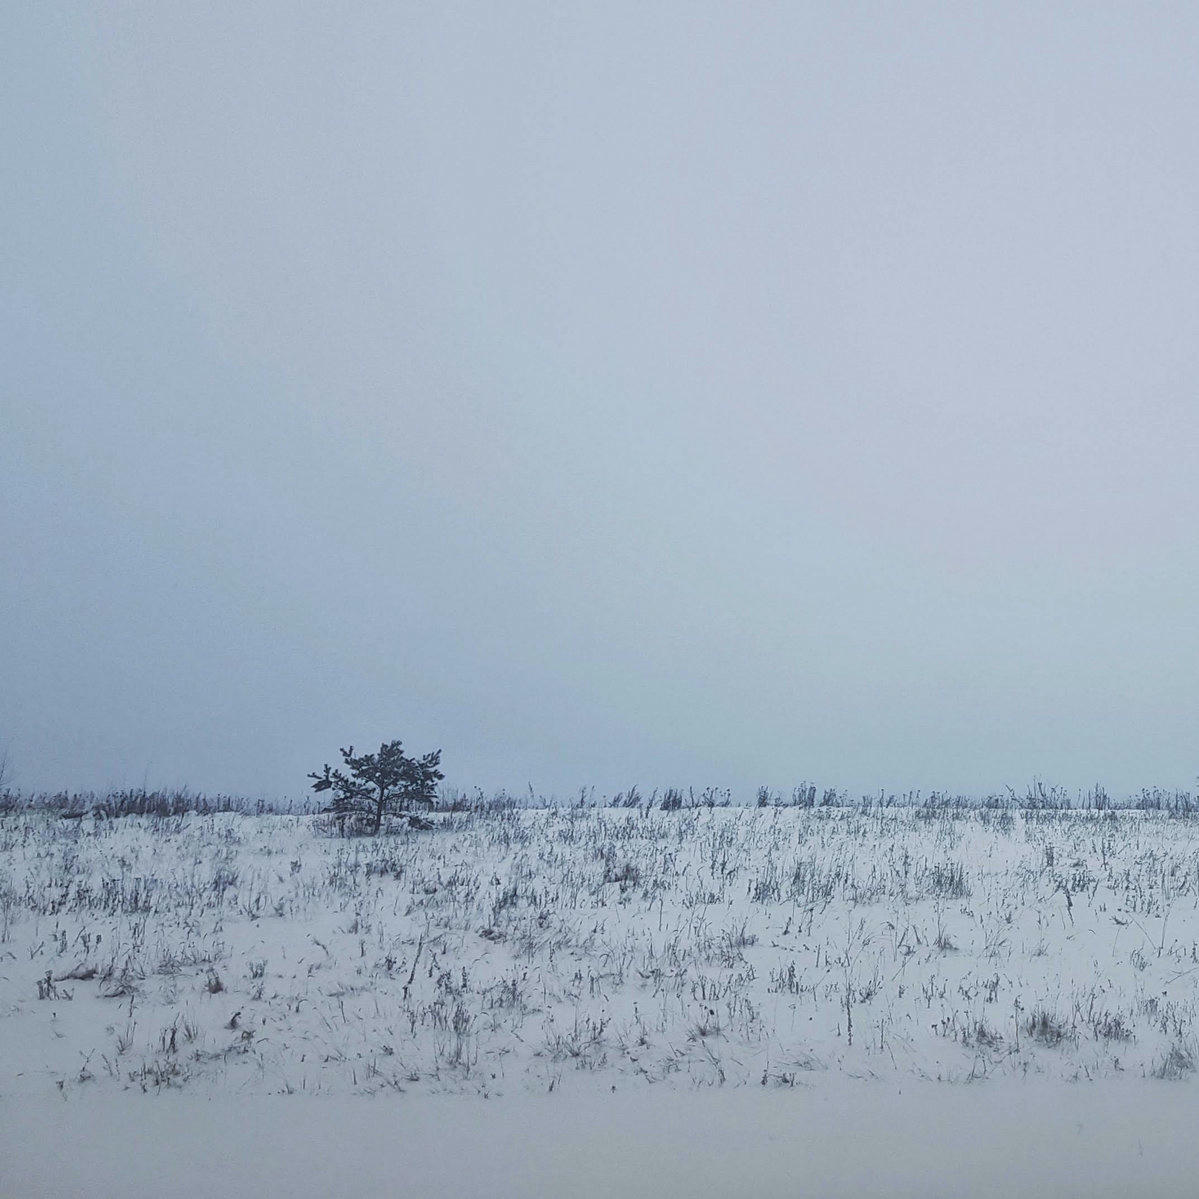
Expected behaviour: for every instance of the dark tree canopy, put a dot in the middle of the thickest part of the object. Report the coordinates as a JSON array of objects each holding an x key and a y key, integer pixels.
[{"x": 374, "y": 785}]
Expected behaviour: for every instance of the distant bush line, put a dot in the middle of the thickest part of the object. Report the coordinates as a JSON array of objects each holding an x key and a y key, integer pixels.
[
  {"x": 182, "y": 801},
  {"x": 140, "y": 802}
]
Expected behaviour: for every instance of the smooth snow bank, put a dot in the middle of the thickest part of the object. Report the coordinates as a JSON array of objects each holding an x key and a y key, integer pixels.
[{"x": 839, "y": 1138}]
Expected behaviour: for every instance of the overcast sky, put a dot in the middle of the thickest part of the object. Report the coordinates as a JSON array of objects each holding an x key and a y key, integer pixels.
[{"x": 605, "y": 394}]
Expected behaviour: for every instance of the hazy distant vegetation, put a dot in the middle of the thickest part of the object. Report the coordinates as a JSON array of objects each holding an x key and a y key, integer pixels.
[{"x": 174, "y": 801}]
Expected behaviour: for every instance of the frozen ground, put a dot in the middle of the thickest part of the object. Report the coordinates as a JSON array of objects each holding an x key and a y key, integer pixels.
[
  {"x": 843, "y": 1139},
  {"x": 637, "y": 999}
]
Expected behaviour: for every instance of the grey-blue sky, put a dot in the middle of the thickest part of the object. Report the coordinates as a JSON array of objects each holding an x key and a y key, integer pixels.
[{"x": 712, "y": 394}]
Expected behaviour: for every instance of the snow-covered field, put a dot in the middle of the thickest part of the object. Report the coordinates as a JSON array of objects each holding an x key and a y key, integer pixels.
[{"x": 581, "y": 956}]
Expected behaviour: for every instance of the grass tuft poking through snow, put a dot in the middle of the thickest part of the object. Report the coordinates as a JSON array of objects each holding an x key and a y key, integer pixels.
[{"x": 509, "y": 950}]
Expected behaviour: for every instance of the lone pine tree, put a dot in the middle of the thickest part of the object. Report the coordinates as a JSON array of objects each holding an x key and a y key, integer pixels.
[{"x": 374, "y": 785}]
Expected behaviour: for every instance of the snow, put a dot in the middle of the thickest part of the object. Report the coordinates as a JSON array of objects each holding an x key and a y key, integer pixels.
[
  {"x": 583, "y": 1001},
  {"x": 843, "y": 1138}
]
